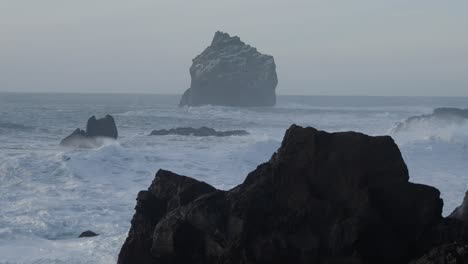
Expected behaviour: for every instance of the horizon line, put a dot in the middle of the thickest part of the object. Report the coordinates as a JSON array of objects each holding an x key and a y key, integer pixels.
[{"x": 177, "y": 94}]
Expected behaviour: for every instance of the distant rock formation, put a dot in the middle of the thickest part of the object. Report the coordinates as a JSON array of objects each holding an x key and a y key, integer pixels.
[
  {"x": 96, "y": 129},
  {"x": 198, "y": 132},
  {"x": 88, "y": 233},
  {"x": 461, "y": 212},
  {"x": 322, "y": 198},
  {"x": 231, "y": 73},
  {"x": 444, "y": 115},
  {"x": 104, "y": 127}
]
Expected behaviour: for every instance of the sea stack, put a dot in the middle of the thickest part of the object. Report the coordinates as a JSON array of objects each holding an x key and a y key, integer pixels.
[
  {"x": 231, "y": 73},
  {"x": 96, "y": 129}
]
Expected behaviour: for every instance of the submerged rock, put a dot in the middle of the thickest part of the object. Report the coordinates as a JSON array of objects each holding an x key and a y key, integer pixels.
[
  {"x": 231, "y": 73},
  {"x": 88, "y": 233},
  {"x": 322, "y": 198},
  {"x": 439, "y": 117},
  {"x": 96, "y": 130},
  {"x": 461, "y": 212},
  {"x": 198, "y": 132}
]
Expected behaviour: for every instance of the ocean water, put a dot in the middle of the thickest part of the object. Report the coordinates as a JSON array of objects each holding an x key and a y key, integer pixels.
[{"x": 49, "y": 194}]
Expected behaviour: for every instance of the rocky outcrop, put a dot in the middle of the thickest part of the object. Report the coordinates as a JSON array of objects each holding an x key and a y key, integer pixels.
[
  {"x": 461, "y": 212},
  {"x": 104, "y": 127},
  {"x": 440, "y": 117},
  {"x": 88, "y": 233},
  {"x": 231, "y": 73},
  {"x": 198, "y": 132},
  {"x": 167, "y": 193},
  {"x": 96, "y": 129},
  {"x": 322, "y": 198}
]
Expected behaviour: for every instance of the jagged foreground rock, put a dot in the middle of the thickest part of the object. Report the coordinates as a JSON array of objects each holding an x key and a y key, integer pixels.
[
  {"x": 322, "y": 198},
  {"x": 231, "y": 73},
  {"x": 96, "y": 129}
]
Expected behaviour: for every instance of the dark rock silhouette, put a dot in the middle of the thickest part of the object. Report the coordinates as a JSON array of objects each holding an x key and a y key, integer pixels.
[
  {"x": 95, "y": 129},
  {"x": 231, "y": 73},
  {"x": 461, "y": 212},
  {"x": 104, "y": 127},
  {"x": 198, "y": 132},
  {"x": 168, "y": 192},
  {"x": 440, "y": 116},
  {"x": 322, "y": 198},
  {"x": 88, "y": 233}
]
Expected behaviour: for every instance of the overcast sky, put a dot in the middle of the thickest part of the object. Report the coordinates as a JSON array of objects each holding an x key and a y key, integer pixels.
[{"x": 362, "y": 47}]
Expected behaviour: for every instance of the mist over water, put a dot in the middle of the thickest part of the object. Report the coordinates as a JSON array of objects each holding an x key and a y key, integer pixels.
[{"x": 49, "y": 194}]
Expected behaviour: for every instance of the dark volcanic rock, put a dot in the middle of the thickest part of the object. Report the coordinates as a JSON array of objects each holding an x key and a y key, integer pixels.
[
  {"x": 168, "y": 192},
  {"x": 198, "y": 132},
  {"x": 322, "y": 198},
  {"x": 461, "y": 212},
  {"x": 439, "y": 117},
  {"x": 96, "y": 129},
  {"x": 231, "y": 73},
  {"x": 453, "y": 253},
  {"x": 104, "y": 127},
  {"x": 88, "y": 234}
]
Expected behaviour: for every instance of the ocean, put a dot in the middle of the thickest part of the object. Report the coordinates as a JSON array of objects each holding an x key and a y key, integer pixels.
[{"x": 50, "y": 194}]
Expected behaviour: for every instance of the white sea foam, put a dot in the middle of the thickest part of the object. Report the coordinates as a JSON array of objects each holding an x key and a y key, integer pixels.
[{"x": 50, "y": 194}]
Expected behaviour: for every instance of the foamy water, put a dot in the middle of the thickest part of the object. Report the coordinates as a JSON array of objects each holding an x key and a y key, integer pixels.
[{"x": 50, "y": 194}]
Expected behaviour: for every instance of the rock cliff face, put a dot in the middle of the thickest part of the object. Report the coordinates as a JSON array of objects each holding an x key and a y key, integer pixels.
[
  {"x": 96, "y": 129},
  {"x": 322, "y": 198},
  {"x": 231, "y": 73}
]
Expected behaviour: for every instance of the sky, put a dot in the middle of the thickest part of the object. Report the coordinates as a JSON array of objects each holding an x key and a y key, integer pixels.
[{"x": 328, "y": 47}]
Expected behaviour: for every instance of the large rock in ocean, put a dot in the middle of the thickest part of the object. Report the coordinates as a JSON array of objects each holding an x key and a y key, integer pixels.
[
  {"x": 231, "y": 73},
  {"x": 322, "y": 198},
  {"x": 96, "y": 130},
  {"x": 104, "y": 127}
]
